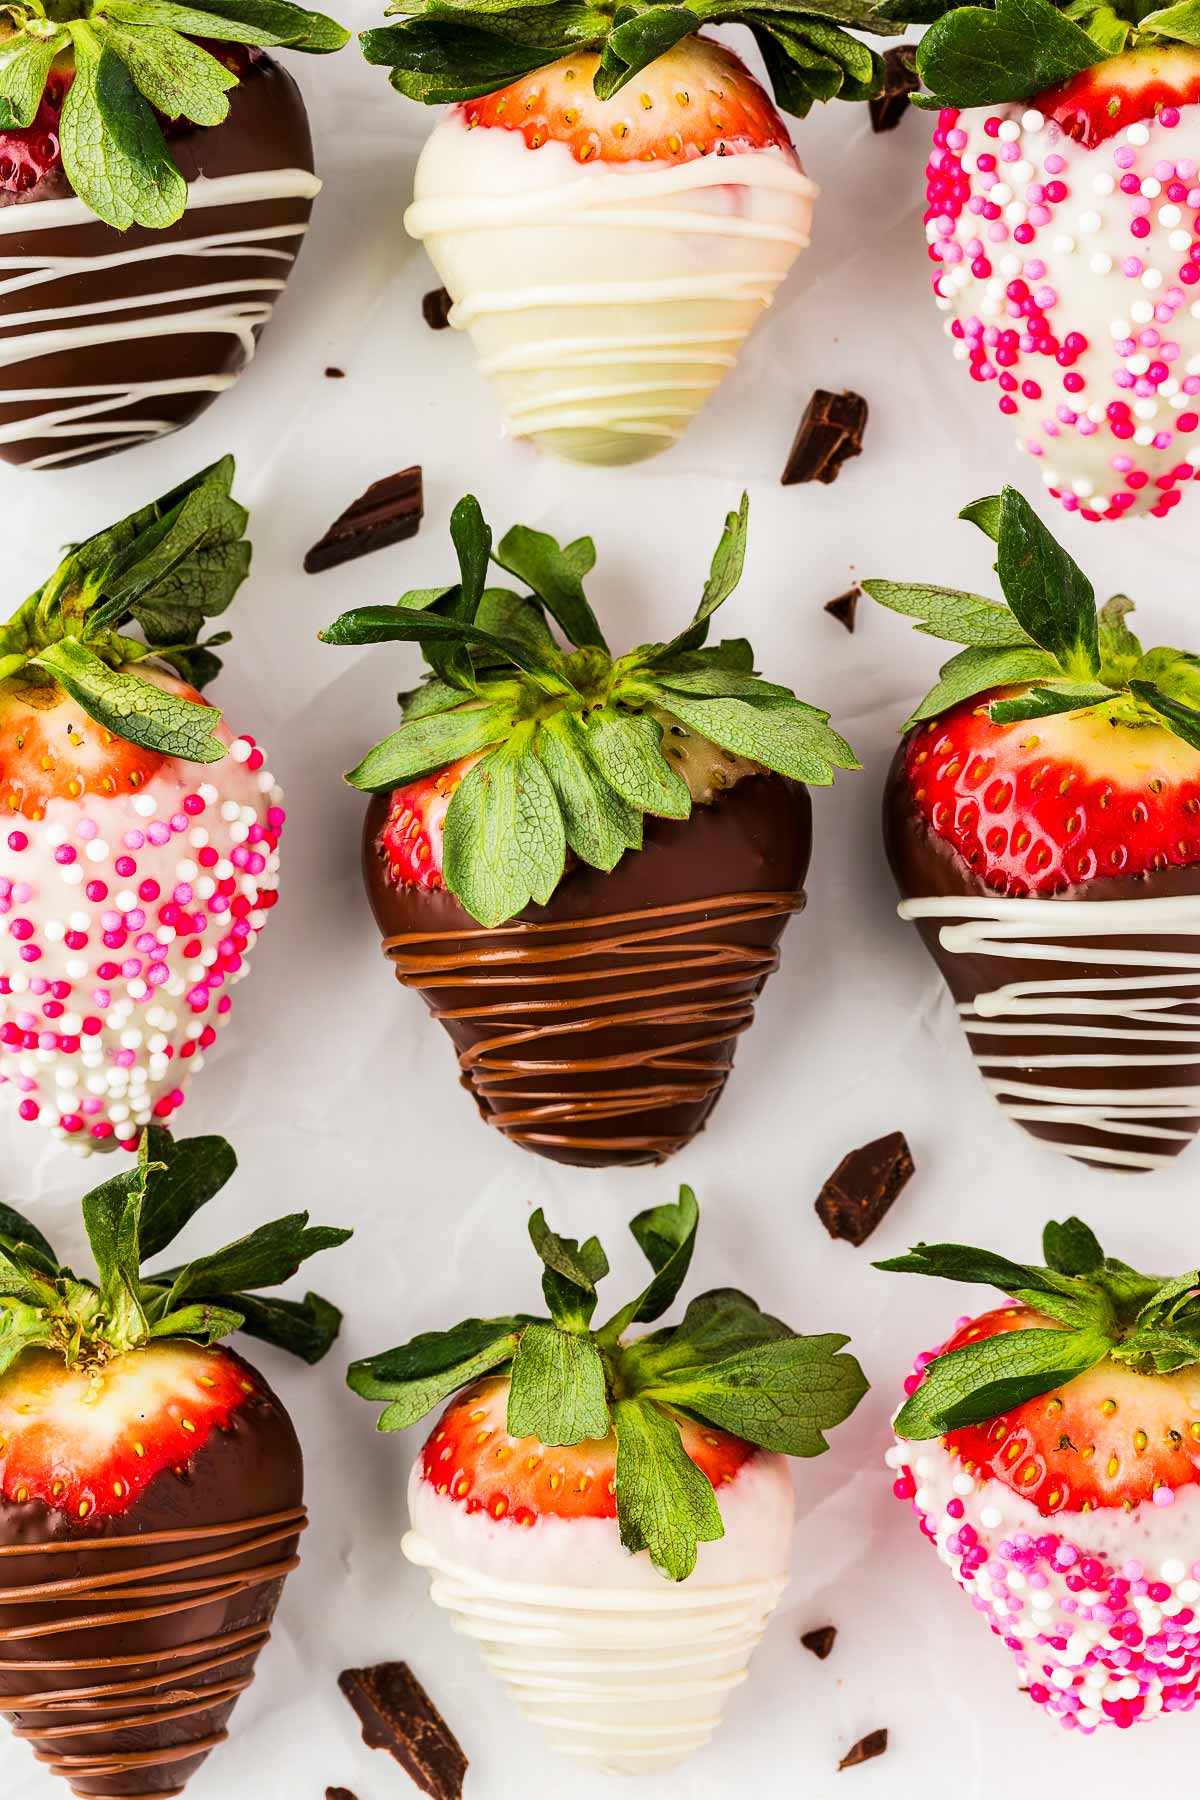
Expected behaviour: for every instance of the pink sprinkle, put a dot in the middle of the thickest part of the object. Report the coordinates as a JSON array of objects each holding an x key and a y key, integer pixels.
[
  {"x": 158, "y": 832},
  {"x": 1124, "y": 157},
  {"x": 17, "y": 840},
  {"x": 88, "y": 829},
  {"x": 134, "y": 840},
  {"x": 1054, "y": 165}
]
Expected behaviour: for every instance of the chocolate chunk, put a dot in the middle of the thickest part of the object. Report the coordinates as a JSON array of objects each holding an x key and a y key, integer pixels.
[
  {"x": 820, "y": 1641},
  {"x": 390, "y": 511},
  {"x": 397, "y": 1715},
  {"x": 900, "y": 82},
  {"x": 336, "y": 375},
  {"x": 339, "y": 1794},
  {"x": 435, "y": 309},
  {"x": 874, "y": 1744},
  {"x": 862, "y": 1188},
  {"x": 844, "y": 608},
  {"x": 831, "y": 432}
]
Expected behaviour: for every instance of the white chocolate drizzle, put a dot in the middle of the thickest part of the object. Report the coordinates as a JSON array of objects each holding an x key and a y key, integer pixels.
[
  {"x": 77, "y": 412},
  {"x": 1147, "y": 1019}
]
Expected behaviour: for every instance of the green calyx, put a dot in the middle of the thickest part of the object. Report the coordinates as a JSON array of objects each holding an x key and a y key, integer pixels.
[
  {"x": 1016, "y": 49},
  {"x": 133, "y": 1217},
  {"x": 446, "y": 50},
  {"x": 1047, "y": 637},
  {"x": 725, "y": 1364},
  {"x": 130, "y": 64},
  {"x": 167, "y": 568},
  {"x": 572, "y": 738},
  {"x": 1101, "y": 1309}
]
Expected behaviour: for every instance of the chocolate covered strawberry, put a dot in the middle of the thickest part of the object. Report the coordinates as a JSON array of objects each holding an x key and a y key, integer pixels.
[
  {"x": 138, "y": 835},
  {"x": 585, "y": 863},
  {"x": 610, "y": 1517},
  {"x": 156, "y": 179},
  {"x": 1051, "y": 1452},
  {"x": 1042, "y": 819},
  {"x": 151, "y": 1484},
  {"x": 613, "y": 200},
  {"x": 1063, "y": 200}
]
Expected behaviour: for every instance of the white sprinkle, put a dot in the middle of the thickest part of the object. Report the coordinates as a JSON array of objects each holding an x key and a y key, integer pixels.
[
  {"x": 1137, "y": 365},
  {"x": 126, "y": 900},
  {"x": 199, "y": 837},
  {"x": 1144, "y": 435},
  {"x": 1101, "y": 263},
  {"x": 1120, "y": 328},
  {"x": 1019, "y": 171},
  {"x": 230, "y": 809},
  {"x": 992, "y": 1517},
  {"x": 1103, "y": 183},
  {"x": 239, "y": 750},
  {"x": 1009, "y": 265},
  {"x": 1151, "y": 187},
  {"x": 1170, "y": 216},
  {"x": 145, "y": 805},
  {"x": 1152, "y": 278},
  {"x": 1009, "y": 131},
  {"x": 207, "y": 792},
  {"x": 1136, "y": 134},
  {"x": 1145, "y": 409},
  {"x": 54, "y": 931},
  {"x": 1083, "y": 488},
  {"x": 1142, "y": 311},
  {"x": 77, "y": 968},
  {"x": 186, "y": 870},
  {"x": 55, "y": 835},
  {"x": 1033, "y": 120},
  {"x": 1064, "y": 245},
  {"x": 138, "y": 989},
  {"x": 73, "y": 875},
  {"x": 1179, "y": 240},
  {"x": 97, "y": 851},
  {"x": 1090, "y": 223}
]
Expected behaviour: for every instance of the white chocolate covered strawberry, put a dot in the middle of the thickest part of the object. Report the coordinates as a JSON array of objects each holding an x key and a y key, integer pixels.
[{"x": 572, "y": 1452}]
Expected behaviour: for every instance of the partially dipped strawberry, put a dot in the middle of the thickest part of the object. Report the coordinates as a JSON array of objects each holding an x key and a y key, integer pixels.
[
  {"x": 1062, "y": 205},
  {"x": 612, "y": 208},
  {"x": 1042, "y": 820},
  {"x": 138, "y": 835},
  {"x": 1051, "y": 1451},
  {"x": 585, "y": 863},
  {"x": 151, "y": 1483},
  {"x": 610, "y": 1516}
]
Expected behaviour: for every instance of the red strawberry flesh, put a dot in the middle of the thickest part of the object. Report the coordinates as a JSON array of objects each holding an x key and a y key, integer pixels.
[{"x": 1122, "y": 91}]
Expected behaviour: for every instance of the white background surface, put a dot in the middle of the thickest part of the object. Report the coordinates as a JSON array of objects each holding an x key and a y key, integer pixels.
[{"x": 340, "y": 1095}]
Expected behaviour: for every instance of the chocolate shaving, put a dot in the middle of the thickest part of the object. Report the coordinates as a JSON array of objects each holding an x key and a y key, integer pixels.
[
  {"x": 435, "y": 309},
  {"x": 820, "y": 1641},
  {"x": 390, "y": 511},
  {"x": 830, "y": 433},
  {"x": 844, "y": 608},
  {"x": 863, "y": 1187},
  {"x": 339, "y": 1794},
  {"x": 397, "y": 1715},
  {"x": 336, "y": 375},
  {"x": 874, "y": 1744},
  {"x": 900, "y": 83}
]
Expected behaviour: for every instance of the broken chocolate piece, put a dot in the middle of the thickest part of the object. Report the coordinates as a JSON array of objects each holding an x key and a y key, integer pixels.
[
  {"x": 862, "y": 1188},
  {"x": 338, "y": 1794},
  {"x": 332, "y": 374},
  {"x": 390, "y": 511},
  {"x": 820, "y": 1641},
  {"x": 844, "y": 608},
  {"x": 874, "y": 1744},
  {"x": 900, "y": 83},
  {"x": 435, "y": 309},
  {"x": 397, "y": 1715},
  {"x": 831, "y": 432}
]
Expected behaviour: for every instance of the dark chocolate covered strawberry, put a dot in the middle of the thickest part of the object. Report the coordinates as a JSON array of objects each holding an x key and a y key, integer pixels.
[
  {"x": 1042, "y": 820},
  {"x": 585, "y": 863},
  {"x": 156, "y": 180},
  {"x": 1051, "y": 1452},
  {"x": 610, "y": 1516},
  {"x": 151, "y": 1484}
]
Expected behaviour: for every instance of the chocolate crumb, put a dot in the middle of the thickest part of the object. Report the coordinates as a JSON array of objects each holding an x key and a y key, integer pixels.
[
  {"x": 397, "y": 1715},
  {"x": 338, "y": 1794},
  {"x": 830, "y": 433},
  {"x": 336, "y": 375},
  {"x": 390, "y": 511},
  {"x": 820, "y": 1641},
  {"x": 844, "y": 608},
  {"x": 874, "y": 1744},
  {"x": 863, "y": 1187},
  {"x": 435, "y": 309},
  {"x": 900, "y": 83}
]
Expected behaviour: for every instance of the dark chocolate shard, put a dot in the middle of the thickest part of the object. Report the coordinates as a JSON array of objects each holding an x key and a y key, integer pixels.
[
  {"x": 900, "y": 83},
  {"x": 397, "y": 1715},
  {"x": 862, "y": 1188},
  {"x": 333, "y": 374},
  {"x": 339, "y": 1794},
  {"x": 874, "y": 1744},
  {"x": 390, "y": 511},
  {"x": 830, "y": 433},
  {"x": 820, "y": 1641},
  {"x": 844, "y": 608},
  {"x": 435, "y": 309}
]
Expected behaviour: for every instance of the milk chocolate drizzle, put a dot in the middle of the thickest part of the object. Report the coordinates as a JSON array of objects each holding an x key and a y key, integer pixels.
[{"x": 165, "y": 1684}]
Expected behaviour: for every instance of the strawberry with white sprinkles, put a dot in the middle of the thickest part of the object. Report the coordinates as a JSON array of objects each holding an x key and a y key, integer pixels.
[
  {"x": 139, "y": 857},
  {"x": 1063, "y": 199}
]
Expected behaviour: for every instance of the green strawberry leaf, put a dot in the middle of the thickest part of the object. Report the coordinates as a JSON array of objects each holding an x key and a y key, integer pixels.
[
  {"x": 975, "y": 56},
  {"x": 438, "y": 63},
  {"x": 787, "y": 736},
  {"x": 400, "y": 624},
  {"x": 1044, "y": 702},
  {"x": 599, "y": 825},
  {"x": 110, "y": 1216},
  {"x": 305, "y": 1328},
  {"x": 783, "y": 1395},
  {"x": 1181, "y": 23},
  {"x": 666, "y": 1236},
  {"x": 504, "y": 842},
  {"x": 205, "y": 1323},
  {"x": 726, "y": 572},
  {"x": 977, "y": 671},
  {"x": 1184, "y": 721},
  {"x": 431, "y": 742},
  {"x": 1046, "y": 589},
  {"x": 944, "y": 613},
  {"x": 558, "y": 1394},
  {"x": 723, "y": 1322},
  {"x": 113, "y": 151},
  {"x": 19, "y": 1233},
  {"x": 637, "y": 39},
  {"x": 181, "y": 1176},
  {"x": 264, "y": 1258},
  {"x": 133, "y": 708},
  {"x": 985, "y": 514},
  {"x": 1072, "y": 1248},
  {"x": 177, "y": 77},
  {"x": 21, "y": 1328},
  {"x": 571, "y": 1273},
  {"x": 627, "y": 750},
  {"x": 989, "y": 1377},
  {"x": 419, "y": 1375},
  {"x": 556, "y": 577},
  {"x": 261, "y": 22},
  {"x": 25, "y": 63},
  {"x": 665, "y": 1505},
  {"x": 1119, "y": 648}
]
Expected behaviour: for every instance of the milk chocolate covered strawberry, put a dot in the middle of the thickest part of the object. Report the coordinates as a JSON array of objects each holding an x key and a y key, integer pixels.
[
  {"x": 585, "y": 863},
  {"x": 138, "y": 835},
  {"x": 1051, "y": 1452},
  {"x": 1042, "y": 819},
  {"x": 610, "y": 1517},
  {"x": 156, "y": 178},
  {"x": 613, "y": 200},
  {"x": 151, "y": 1484},
  {"x": 1062, "y": 207}
]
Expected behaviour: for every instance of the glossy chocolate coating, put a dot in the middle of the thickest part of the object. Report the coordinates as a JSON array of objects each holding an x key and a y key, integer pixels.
[
  {"x": 267, "y": 128},
  {"x": 633, "y": 1044},
  {"x": 166, "y": 1663}
]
